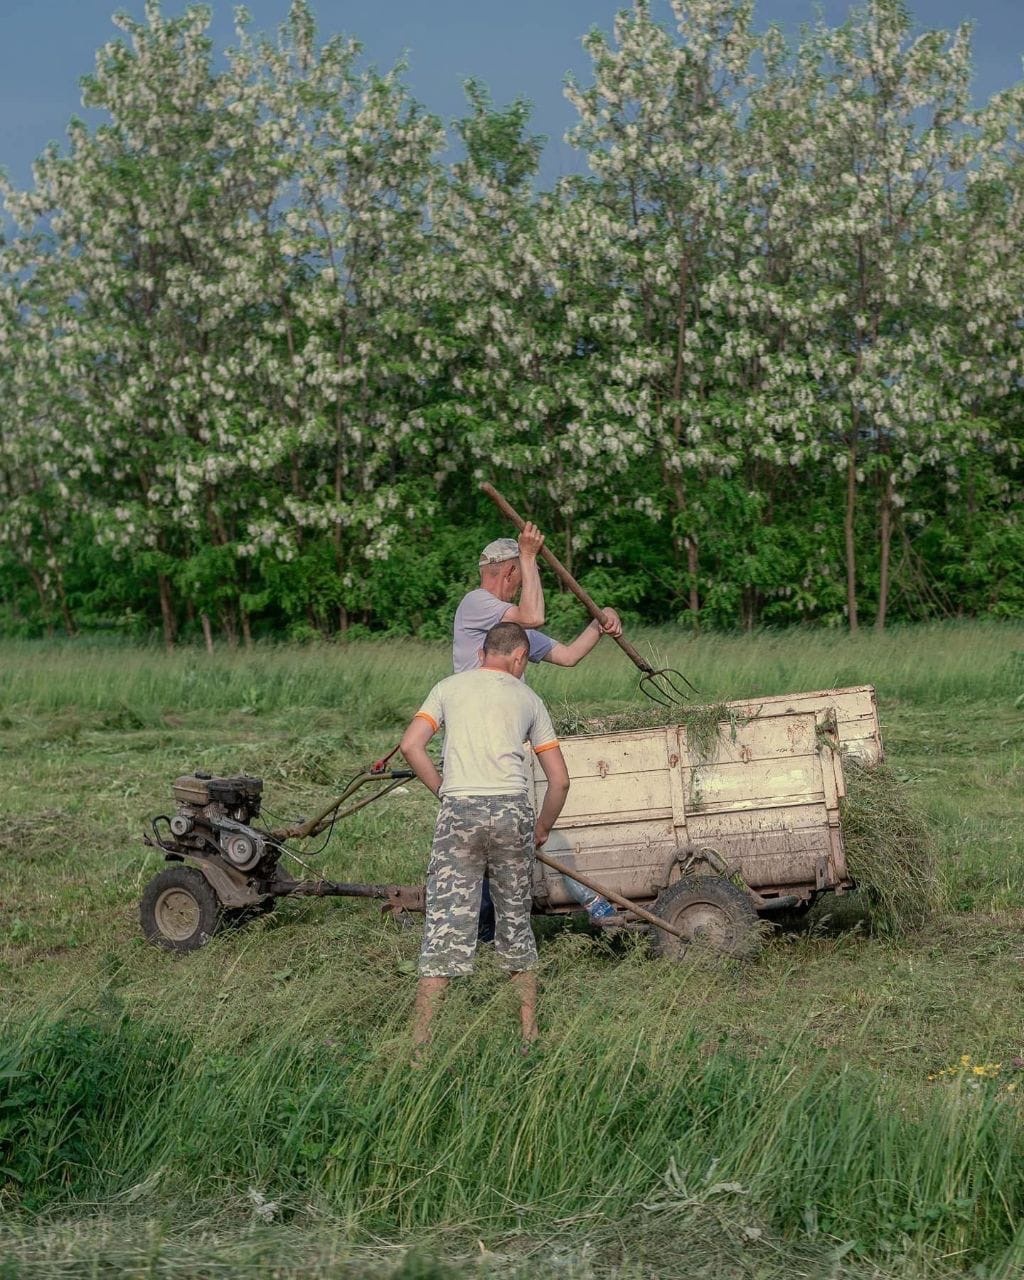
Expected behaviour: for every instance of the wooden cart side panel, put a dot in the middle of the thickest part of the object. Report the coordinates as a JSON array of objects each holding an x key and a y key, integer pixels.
[
  {"x": 630, "y": 752},
  {"x": 798, "y": 816},
  {"x": 852, "y": 696},
  {"x": 855, "y": 708},
  {"x": 641, "y": 750},
  {"x": 834, "y": 782},
  {"x": 616, "y": 777},
  {"x": 835, "y": 789},
  {"x": 591, "y": 800},
  {"x": 619, "y": 777},
  {"x": 618, "y": 790},
  {"x": 765, "y": 738},
  {"x": 787, "y": 849},
  {"x": 839, "y": 873},
  {"x": 782, "y": 859},
  {"x": 675, "y": 745},
  {"x": 734, "y": 786}
]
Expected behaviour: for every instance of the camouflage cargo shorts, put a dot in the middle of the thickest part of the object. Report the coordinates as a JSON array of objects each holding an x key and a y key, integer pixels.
[{"x": 477, "y": 836}]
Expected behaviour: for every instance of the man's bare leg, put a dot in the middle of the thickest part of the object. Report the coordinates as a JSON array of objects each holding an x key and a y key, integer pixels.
[
  {"x": 526, "y": 985},
  {"x": 429, "y": 995}
]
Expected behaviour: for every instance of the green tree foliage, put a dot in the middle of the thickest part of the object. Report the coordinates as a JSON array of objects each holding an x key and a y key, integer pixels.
[{"x": 258, "y": 345}]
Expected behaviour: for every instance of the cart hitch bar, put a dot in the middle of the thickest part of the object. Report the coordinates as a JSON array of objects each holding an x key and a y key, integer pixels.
[{"x": 397, "y": 897}]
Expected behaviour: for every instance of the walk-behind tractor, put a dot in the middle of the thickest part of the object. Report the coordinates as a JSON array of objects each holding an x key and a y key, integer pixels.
[{"x": 225, "y": 865}]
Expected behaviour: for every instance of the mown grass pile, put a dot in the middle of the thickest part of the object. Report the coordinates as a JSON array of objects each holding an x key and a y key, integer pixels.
[
  {"x": 702, "y": 721},
  {"x": 890, "y": 847}
]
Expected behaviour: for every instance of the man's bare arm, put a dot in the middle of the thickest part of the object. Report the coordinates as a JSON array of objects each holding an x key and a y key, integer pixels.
[
  {"x": 553, "y": 763},
  {"x": 529, "y": 612},
  {"x": 516, "y": 613},
  {"x": 567, "y": 655},
  {"x": 414, "y": 747}
]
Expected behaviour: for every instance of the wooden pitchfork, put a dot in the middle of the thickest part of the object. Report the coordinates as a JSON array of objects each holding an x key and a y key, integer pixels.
[{"x": 664, "y": 686}]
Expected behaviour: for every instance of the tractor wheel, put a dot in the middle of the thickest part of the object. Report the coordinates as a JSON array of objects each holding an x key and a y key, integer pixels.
[
  {"x": 710, "y": 911},
  {"x": 179, "y": 910}
]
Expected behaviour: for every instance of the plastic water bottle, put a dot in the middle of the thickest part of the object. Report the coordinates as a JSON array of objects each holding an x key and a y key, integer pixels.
[{"x": 598, "y": 908}]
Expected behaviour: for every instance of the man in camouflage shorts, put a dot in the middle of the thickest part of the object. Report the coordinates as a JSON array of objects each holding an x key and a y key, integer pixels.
[{"x": 486, "y": 825}]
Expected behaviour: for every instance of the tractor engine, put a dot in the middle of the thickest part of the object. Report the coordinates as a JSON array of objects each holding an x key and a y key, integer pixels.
[{"x": 214, "y": 814}]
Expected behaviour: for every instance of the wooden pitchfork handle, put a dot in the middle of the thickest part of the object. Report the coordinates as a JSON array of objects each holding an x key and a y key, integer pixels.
[
  {"x": 610, "y": 894},
  {"x": 567, "y": 580}
]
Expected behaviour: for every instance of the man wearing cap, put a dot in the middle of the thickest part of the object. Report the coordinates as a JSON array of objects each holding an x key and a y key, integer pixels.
[{"x": 508, "y": 568}]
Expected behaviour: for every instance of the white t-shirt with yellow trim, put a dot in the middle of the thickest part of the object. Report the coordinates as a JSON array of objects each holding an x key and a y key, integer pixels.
[{"x": 488, "y": 717}]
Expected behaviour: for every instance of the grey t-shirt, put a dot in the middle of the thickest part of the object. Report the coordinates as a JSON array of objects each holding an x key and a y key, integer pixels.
[
  {"x": 477, "y": 613},
  {"x": 488, "y": 717}
]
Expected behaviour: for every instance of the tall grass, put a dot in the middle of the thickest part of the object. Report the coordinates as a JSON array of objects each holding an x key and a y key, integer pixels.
[
  {"x": 610, "y": 1124},
  {"x": 608, "y": 1120},
  {"x": 234, "y": 1076},
  {"x": 382, "y": 681}
]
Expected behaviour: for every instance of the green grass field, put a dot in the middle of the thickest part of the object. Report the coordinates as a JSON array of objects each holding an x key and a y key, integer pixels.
[{"x": 846, "y": 1105}]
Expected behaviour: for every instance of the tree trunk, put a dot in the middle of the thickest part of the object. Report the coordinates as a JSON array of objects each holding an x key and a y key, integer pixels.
[
  {"x": 44, "y": 604},
  {"x": 227, "y": 618},
  {"x": 69, "y": 622},
  {"x": 246, "y": 629},
  {"x": 691, "y": 566},
  {"x": 682, "y": 285},
  {"x": 748, "y": 607},
  {"x": 885, "y": 538},
  {"x": 166, "y": 610},
  {"x": 851, "y": 551},
  {"x": 688, "y": 542},
  {"x": 204, "y": 618},
  {"x": 58, "y": 578}
]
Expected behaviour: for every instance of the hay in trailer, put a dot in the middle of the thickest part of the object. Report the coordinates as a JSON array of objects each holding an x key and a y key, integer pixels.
[
  {"x": 701, "y": 722},
  {"x": 890, "y": 848},
  {"x": 574, "y": 719}
]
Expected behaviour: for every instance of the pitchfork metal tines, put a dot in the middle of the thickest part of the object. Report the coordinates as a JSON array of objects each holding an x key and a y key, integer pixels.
[{"x": 665, "y": 686}]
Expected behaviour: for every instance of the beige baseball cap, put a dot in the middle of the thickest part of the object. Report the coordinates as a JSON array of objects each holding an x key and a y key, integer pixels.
[{"x": 499, "y": 550}]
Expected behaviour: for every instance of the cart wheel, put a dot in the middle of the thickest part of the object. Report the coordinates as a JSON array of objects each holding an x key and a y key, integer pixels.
[
  {"x": 708, "y": 910},
  {"x": 179, "y": 910}
]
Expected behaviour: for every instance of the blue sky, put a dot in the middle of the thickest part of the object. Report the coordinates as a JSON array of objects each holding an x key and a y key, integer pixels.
[{"x": 518, "y": 47}]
